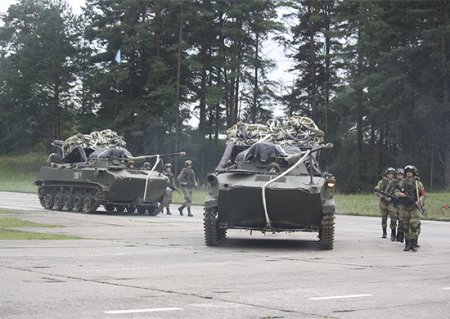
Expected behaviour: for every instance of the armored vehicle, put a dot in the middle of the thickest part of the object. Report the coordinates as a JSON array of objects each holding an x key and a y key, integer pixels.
[
  {"x": 83, "y": 174},
  {"x": 271, "y": 184}
]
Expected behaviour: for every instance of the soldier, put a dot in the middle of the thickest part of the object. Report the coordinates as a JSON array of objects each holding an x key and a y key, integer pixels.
[
  {"x": 384, "y": 200},
  {"x": 400, "y": 173},
  {"x": 187, "y": 181},
  {"x": 167, "y": 198},
  {"x": 411, "y": 194},
  {"x": 393, "y": 207}
]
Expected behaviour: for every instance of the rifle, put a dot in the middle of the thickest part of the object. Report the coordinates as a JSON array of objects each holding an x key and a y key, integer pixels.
[
  {"x": 394, "y": 199},
  {"x": 409, "y": 201},
  {"x": 189, "y": 184}
]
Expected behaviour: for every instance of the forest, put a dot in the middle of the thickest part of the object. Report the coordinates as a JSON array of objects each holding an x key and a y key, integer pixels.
[{"x": 373, "y": 75}]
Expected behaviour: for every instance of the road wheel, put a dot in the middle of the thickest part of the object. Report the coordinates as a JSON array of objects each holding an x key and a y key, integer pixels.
[
  {"x": 120, "y": 208},
  {"x": 214, "y": 235},
  {"x": 109, "y": 207},
  {"x": 77, "y": 204},
  {"x": 89, "y": 205},
  {"x": 67, "y": 203},
  {"x": 48, "y": 201},
  {"x": 326, "y": 233},
  {"x": 141, "y": 210},
  {"x": 151, "y": 209},
  {"x": 41, "y": 195},
  {"x": 58, "y": 202},
  {"x": 130, "y": 209}
]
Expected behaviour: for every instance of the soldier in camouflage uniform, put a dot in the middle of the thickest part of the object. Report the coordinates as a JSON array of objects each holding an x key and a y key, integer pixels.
[
  {"x": 187, "y": 182},
  {"x": 394, "y": 207},
  {"x": 384, "y": 200},
  {"x": 400, "y": 174},
  {"x": 411, "y": 193},
  {"x": 167, "y": 197}
]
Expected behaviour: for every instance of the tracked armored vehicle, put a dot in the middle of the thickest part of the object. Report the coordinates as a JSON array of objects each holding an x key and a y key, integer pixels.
[
  {"x": 83, "y": 174},
  {"x": 271, "y": 184}
]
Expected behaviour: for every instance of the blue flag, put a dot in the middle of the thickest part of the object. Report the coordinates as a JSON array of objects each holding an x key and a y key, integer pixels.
[{"x": 118, "y": 57}]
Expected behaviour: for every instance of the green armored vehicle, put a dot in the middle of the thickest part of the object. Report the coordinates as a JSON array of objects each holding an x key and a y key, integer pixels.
[
  {"x": 271, "y": 184},
  {"x": 87, "y": 171}
]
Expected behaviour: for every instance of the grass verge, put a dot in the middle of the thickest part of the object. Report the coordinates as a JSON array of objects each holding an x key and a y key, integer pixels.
[
  {"x": 8, "y": 230},
  {"x": 18, "y": 173}
]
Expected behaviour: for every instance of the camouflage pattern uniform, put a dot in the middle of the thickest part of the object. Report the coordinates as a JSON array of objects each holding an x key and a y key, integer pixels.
[
  {"x": 167, "y": 197},
  {"x": 393, "y": 208},
  {"x": 399, "y": 177},
  {"x": 409, "y": 213},
  {"x": 187, "y": 182},
  {"x": 384, "y": 202}
]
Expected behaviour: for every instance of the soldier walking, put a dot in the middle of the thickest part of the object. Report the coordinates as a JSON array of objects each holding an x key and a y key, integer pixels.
[
  {"x": 187, "y": 182},
  {"x": 394, "y": 206},
  {"x": 411, "y": 194},
  {"x": 384, "y": 200},
  {"x": 167, "y": 197}
]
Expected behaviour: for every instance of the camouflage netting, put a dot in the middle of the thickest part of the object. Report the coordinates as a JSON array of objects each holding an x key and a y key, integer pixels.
[
  {"x": 296, "y": 131},
  {"x": 95, "y": 140}
]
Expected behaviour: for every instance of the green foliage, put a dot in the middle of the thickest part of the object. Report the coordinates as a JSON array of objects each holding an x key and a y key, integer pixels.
[{"x": 36, "y": 73}]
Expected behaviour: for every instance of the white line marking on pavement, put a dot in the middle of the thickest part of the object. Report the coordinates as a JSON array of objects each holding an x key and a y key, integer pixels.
[
  {"x": 341, "y": 297},
  {"x": 446, "y": 288},
  {"x": 116, "y": 312}
]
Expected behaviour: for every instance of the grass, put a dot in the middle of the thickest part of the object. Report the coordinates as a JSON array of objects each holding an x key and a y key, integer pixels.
[
  {"x": 18, "y": 173},
  {"x": 8, "y": 230},
  {"x": 437, "y": 205}
]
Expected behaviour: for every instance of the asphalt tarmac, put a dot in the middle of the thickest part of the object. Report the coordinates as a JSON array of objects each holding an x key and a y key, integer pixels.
[{"x": 158, "y": 267}]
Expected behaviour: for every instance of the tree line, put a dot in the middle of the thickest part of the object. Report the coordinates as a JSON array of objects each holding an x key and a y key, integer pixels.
[{"x": 374, "y": 75}]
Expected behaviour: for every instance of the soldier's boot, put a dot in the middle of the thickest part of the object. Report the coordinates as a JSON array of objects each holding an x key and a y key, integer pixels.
[
  {"x": 412, "y": 245},
  {"x": 189, "y": 212},
  {"x": 384, "y": 233},
  {"x": 416, "y": 243},
  {"x": 406, "y": 245},
  {"x": 168, "y": 211},
  {"x": 393, "y": 234},
  {"x": 180, "y": 209}
]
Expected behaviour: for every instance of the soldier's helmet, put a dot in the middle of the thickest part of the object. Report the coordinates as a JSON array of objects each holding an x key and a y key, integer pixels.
[
  {"x": 167, "y": 165},
  {"x": 146, "y": 165},
  {"x": 400, "y": 171},
  {"x": 389, "y": 170},
  {"x": 411, "y": 168},
  {"x": 188, "y": 162}
]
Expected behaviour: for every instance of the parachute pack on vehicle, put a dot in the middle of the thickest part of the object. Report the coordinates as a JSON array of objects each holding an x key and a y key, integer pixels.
[
  {"x": 87, "y": 171},
  {"x": 269, "y": 180}
]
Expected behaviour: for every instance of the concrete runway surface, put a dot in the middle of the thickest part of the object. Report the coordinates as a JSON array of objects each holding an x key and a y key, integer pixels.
[{"x": 158, "y": 267}]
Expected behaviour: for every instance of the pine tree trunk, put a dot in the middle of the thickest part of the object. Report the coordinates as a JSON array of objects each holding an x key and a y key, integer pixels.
[{"x": 202, "y": 97}]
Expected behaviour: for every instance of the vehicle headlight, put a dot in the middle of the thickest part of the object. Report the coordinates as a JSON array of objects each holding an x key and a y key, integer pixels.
[{"x": 330, "y": 183}]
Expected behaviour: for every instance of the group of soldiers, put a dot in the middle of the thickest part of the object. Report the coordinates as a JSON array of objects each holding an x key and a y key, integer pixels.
[
  {"x": 401, "y": 198},
  {"x": 186, "y": 180}
]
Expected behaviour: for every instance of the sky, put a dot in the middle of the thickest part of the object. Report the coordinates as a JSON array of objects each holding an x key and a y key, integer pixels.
[{"x": 280, "y": 74}]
